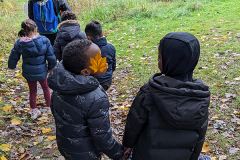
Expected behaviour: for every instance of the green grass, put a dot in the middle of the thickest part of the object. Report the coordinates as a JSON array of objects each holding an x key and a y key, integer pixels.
[{"x": 135, "y": 29}]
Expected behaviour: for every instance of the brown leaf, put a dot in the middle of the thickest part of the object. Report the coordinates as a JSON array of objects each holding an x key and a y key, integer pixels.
[{"x": 214, "y": 140}]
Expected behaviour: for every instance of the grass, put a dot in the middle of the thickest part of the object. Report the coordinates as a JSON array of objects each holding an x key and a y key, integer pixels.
[{"x": 135, "y": 28}]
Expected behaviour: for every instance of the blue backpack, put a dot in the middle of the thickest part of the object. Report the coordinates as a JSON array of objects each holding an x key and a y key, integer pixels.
[{"x": 44, "y": 17}]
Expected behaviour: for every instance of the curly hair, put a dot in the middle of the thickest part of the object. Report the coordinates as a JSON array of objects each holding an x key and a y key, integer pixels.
[
  {"x": 74, "y": 55},
  {"x": 94, "y": 29},
  {"x": 68, "y": 15},
  {"x": 27, "y": 27}
]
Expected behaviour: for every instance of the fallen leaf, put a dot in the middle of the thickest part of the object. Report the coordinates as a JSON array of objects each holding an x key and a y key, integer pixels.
[
  {"x": 3, "y": 158},
  {"x": 215, "y": 116},
  {"x": 214, "y": 158},
  {"x": 222, "y": 157},
  {"x": 98, "y": 63},
  {"x": 50, "y": 138},
  {"x": 232, "y": 150},
  {"x": 7, "y": 108},
  {"x": 237, "y": 79},
  {"x": 47, "y": 130},
  {"x": 205, "y": 148},
  {"x": 16, "y": 122},
  {"x": 5, "y": 147},
  {"x": 214, "y": 140},
  {"x": 21, "y": 150}
]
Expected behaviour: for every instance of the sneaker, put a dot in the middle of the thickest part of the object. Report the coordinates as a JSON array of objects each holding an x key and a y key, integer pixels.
[
  {"x": 203, "y": 157},
  {"x": 46, "y": 110},
  {"x": 35, "y": 113}
]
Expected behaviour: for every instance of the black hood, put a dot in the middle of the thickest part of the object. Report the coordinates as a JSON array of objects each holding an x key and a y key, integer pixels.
[
  {"x": 69, "y": 30},
  {"x": 180, "y": 53},
  {"x": 65, "y": 82},
  {"x": 182, "y": 104}
]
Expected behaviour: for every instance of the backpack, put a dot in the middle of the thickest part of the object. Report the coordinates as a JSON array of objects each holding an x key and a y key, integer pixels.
[{"x": 44, "y": 17}]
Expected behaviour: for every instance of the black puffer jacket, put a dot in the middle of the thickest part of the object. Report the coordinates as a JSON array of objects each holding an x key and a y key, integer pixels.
[
  {"x": 168, "y": 120},
  {"x": 81, "y": 111},
  {"x": 68, "y": 31}
]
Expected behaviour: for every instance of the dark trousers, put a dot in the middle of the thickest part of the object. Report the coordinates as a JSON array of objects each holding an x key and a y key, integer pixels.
[
  {"x": 106, "y": 85},
  {"x": 51, "y": 37}
]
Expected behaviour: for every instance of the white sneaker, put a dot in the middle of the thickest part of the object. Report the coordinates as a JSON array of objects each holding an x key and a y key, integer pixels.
[
  {"x": 35, "y": 113},
  {"x": 46, "y": 110}
]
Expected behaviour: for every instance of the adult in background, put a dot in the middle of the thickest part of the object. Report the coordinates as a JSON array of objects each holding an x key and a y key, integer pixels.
[
  {"x": 46, "y": 14},
  {"x": 69, "y": 30}
]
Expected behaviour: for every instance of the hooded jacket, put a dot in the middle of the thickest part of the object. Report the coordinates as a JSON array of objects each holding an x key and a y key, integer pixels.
[
  {"x": 34, "y": 55},
  {"x": 107, "y": 50},
  {"x": 59, "y": 5},
  {"x": 68, "y": 31},
  {"x": 169, "y": 116},
  {"x": 81, "y": 111}
]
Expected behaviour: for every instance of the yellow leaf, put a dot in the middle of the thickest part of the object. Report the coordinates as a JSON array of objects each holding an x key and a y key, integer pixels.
[
  {"x": 205, "y": 148},
  {"x": 0, "y": 98},
  {"x": 50, "y": 138},
  {"x": 20, "y": 64},
  {"x": 16, "y": 122},
  {"x": 46, "y": 130},
  {"x": 214, "y": 158},
  {"x": 35, "y": 143},
  {"x": 18, "y": 74},
  {"x": 3, "y": 158},
  {"x": 215, "y": 116},
  {"x": 98, "y": 63},
  {"x": 7, "y": 108},
  {"x": 5, "y": 147},
  {"x": 2, "y": 59}
]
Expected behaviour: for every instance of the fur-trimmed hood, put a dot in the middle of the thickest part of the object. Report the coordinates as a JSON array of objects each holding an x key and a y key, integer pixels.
[
  {"x": 69, "y": 21},
  {"x": 69, "y": 29}
]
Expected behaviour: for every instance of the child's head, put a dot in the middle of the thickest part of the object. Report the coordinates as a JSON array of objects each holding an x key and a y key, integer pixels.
[
  {"x": 178, "y": 55},
  {"x": 93, "y": 30},
  {"x": 68, "y": 15},
  {"x": 28, "y": 27},
  {"x": 76, "y": 57}
]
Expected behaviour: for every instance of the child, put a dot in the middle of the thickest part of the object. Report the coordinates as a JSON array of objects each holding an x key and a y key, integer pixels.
[
  {"x": 69, "y": 30},
  {"x": 80, "y": 107},
  {"x": 46, "y": 13},
  {"x": 93, "y": 31},
  {"x": 169, "y": 116},
  {"x": 35, "y": 50}
]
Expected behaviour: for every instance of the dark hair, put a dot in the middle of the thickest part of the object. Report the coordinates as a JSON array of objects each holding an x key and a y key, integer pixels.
[
  {"x": 94, "y": 29},
  {"x": 68, "y": 15},
  {"x": 74, "y": 55},
  {"x": 27, "y": 27}
]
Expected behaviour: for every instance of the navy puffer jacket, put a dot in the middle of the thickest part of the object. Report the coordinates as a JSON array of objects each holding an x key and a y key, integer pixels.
[
  {"x": 109, "y": 51},
  {"x": 81, "y": 111},
  {"x": 68, "y": 31},
  {"x": 34, "y": 55}
]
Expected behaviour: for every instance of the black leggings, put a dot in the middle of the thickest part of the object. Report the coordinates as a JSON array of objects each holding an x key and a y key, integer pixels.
[{"x": 51, "y": 37}]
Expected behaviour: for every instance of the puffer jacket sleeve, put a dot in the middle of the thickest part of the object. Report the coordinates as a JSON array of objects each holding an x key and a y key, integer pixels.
[
  {"x": 136, "y": 119},
  {"x": 63, "y": 5},
  {"x": 57, "y": 48},
  {"x": 14, "y": 57},
  {"x": 50, "y": 57},
  {"x": 202, "y": 133},
  {"x": 30, "y": 10},
  {"x": 100, "y": 129}
]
